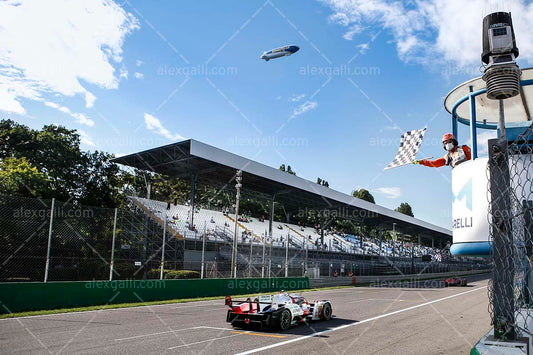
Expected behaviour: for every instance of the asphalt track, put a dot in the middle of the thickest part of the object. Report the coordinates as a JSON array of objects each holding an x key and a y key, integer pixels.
[{"x": 367, "y": 320}]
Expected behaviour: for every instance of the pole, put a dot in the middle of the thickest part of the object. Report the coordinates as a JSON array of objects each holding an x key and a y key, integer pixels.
[
  {"x": 163, "y": 248},
  {"x": 193, "y": 194},
  {"x": 47, "y": 266},
  {"x": 501, "y": 121},
  {"x": 380, "y": 241},
  {"x": 270, "y": 258},
  {"x": 287, "y": 256},
  {"x": 263, "y": 259},
  {"x": 238, "y": 179},
  {"x": 203, "y": 252},
  {"x": 473, "y": 134},
  {"x": 503, "y": 274},
  {"x": 305, "y": 265},
  {"x": 250, "y": 261},
  {"x": 113, "y": 247},
  {"x": 322, "y": 228},
  {"x": 412, "y": 260},
  {"x": 393, "y": 238}
]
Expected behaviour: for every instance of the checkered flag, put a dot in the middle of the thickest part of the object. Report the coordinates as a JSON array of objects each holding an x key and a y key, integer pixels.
[{"x": 409, "y": 145}]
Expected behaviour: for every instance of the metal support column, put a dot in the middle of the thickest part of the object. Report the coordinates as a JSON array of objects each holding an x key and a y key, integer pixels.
[
  {"x": 503, "y": 270},
  {"x": 163, "y": 247},
  {"x": 380, "y": 240},
  {"x": 47, "y": 266},
  {"x": 112, "y": 262},
  {"x": 250, "y": 263},
  {"x": 287, "y": 256},
  {"x": 473, "y": 134},
  {"x": 238, "y": 185},
  {"x": 193, "y": 194},
  {"x": 322, "y": 228},
  {"x": 271, "y": 218},
  {"x": 202, "y": 271}
]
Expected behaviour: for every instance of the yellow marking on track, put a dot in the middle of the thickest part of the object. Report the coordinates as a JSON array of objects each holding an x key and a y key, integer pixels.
[{"x": 261, "y": 335}]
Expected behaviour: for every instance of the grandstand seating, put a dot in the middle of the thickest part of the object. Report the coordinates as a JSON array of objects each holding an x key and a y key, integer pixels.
[{"x": 220, "y": 227}]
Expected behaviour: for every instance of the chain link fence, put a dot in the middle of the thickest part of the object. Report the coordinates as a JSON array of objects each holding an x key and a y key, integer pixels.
[
  {"x": 510, "y": 196},
  {"x": 48, "y": 240}
]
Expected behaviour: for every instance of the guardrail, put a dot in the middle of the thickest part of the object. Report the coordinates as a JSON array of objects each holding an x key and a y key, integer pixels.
[{"x": 347, "y": 281}]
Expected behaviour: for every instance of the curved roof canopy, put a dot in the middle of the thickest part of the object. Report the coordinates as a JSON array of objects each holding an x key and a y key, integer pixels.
[
  {"x": 212, "y": 165},
  {"x": 517, "y": 109}
]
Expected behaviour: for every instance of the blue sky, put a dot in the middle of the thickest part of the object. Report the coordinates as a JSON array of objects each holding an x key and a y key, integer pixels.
[{"x": 137, "y": 75}]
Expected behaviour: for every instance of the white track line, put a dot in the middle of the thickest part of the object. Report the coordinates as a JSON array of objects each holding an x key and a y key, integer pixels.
[
  {"x": 203, "y": 341},
  {"x": 159, "y": 333},
  {"x": 118, "y": 309},
  {"x": 356, "y": 323}
]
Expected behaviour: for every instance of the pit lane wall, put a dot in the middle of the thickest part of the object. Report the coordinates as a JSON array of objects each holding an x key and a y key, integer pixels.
[{"x": 33, "y": 296}]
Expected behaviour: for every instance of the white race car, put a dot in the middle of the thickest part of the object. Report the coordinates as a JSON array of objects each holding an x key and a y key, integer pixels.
[{"x": 278, "y": 311}]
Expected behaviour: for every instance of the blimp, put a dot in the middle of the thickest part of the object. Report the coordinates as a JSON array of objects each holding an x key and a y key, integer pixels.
[{"x": 279, "y": 52}]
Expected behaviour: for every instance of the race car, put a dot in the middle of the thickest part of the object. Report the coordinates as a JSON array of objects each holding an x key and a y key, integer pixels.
[
  {"x": 455, "y": 281},
  {"x": 279, "y": 311}
]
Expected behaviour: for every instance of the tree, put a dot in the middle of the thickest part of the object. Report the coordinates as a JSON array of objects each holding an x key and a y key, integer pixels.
[
  {"x": 363, "y": 194},
  {"x": 18, "y": 177},
  {"x": 405, "y": 208},
  {"x": 102, "y": 181},
  {"x": 51, "y": 162}
]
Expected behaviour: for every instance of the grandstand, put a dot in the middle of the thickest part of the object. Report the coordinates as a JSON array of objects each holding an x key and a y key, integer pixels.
[
  {"x": 202, "y": 163},
  {"x": 266, "y": 243},
  {"x": 219, "y": 226}
]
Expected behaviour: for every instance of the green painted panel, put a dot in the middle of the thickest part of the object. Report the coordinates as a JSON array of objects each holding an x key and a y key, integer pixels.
[{"x": 27, "y": 296}]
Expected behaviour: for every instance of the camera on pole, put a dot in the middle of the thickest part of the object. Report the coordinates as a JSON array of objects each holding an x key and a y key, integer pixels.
[{"x": 499, "y": 54}]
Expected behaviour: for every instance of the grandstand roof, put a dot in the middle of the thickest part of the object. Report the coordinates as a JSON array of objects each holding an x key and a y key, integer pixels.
[{"x": 216, "y": 166}]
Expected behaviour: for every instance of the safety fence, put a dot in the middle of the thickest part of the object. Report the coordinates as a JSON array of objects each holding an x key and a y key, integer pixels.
[
  {"x": 48, "y": 240},
  {"x": 510, "y": 197}
]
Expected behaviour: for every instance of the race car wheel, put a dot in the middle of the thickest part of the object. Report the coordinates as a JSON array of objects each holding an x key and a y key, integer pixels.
[
  {"x": 284, "y": 319},
  {"x": 326, "y": 311}
]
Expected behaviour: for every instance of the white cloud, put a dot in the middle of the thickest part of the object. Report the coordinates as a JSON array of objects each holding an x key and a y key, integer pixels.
[
  {"x": 303, "y": 108},
  {"x": 79, "y": 117},
  {"x": 138, "y": 62},
  {"x": 389, "y": 192},
  {"x": 153, "y": 124},
  {"x": 85, "y": 139},
  {"x": 139, "y": 75},
  {"x": 296, "y": 98},
  {"x": 52, "y": 46},
  {"x": 434, "y": 31},
  {"x": 123, "y": 72},
  {"x": 363, "y": 47}
]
